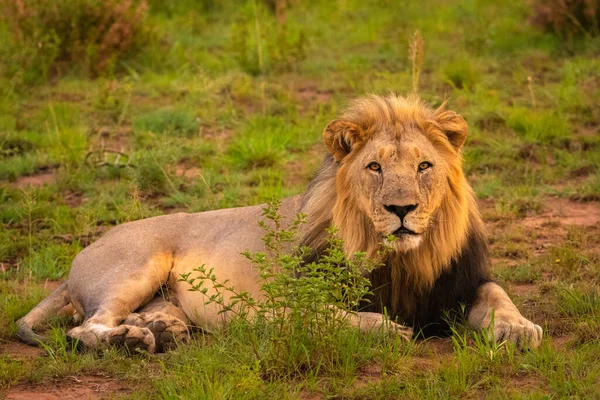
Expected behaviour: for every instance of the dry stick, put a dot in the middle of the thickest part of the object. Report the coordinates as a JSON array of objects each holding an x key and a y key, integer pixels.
[
  {"x": 530, "y": 87},
  {"x": 280, "y": 8},
  {"x": 260, "y": 59},
  {"x": 416, "y": 52}
]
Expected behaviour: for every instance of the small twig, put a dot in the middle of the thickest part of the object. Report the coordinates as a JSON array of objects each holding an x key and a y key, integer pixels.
[
  {"x": 416, "y": 53},
  {"x": 530, "y": 87}
]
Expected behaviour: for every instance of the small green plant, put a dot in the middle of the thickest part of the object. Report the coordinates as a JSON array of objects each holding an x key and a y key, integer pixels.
[
  {"x": 149, "y": 175},
  {"x": 460, "y": 74},
  {"x": 299, "y": 322}
]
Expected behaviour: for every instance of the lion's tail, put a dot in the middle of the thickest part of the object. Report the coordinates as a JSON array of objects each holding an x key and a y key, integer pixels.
[{"x": 48, "y": 307}]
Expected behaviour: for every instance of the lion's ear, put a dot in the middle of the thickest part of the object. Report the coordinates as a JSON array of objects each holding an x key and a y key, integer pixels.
[
  {"x": 454, "y": 126},
  {"x": 339, "y": 137}
]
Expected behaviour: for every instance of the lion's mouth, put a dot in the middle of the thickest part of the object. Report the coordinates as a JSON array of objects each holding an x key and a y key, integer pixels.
[{"x": 403, "y": 231}]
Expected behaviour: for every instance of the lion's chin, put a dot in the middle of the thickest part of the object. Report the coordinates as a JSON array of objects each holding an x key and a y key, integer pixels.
[{"x": 406, "y": 243}]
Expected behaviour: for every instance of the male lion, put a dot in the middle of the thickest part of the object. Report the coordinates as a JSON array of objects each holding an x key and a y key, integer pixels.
[{"x": 394, "y": 167}]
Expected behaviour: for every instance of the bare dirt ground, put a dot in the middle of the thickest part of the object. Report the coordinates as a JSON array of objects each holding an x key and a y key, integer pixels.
[
  {"x": 40, "y": 179},
  {"x": 75, "y": 387}
]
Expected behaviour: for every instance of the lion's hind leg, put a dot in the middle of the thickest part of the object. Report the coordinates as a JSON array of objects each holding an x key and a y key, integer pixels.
[{"x": 168, "y": 323}]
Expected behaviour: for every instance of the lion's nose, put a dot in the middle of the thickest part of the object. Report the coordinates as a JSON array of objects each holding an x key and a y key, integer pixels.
[{"x": 400, "y": 211}]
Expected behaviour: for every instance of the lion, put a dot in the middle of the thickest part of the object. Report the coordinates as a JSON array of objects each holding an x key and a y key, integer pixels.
[{"x": 394, "y": 167}]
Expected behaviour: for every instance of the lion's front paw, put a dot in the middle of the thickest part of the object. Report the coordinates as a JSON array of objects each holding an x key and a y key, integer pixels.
[
  {"x": 168, "y": 331},
  {"x": 524, "y": 333},
  {"x": 131, "y": 338},
  {"x": 403, "y": 331}
]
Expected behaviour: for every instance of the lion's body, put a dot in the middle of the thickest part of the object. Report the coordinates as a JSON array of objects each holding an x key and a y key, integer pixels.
[{"x": 394, "y": 168}]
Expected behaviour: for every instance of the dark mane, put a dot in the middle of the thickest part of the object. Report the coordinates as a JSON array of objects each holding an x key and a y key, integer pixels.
[{"x": 452, "y": 294}]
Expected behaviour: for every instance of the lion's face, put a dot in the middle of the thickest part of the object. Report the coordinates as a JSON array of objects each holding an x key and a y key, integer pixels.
[
  {"x": 398, "y": 171},
  {"x": 398, "y": 181}
]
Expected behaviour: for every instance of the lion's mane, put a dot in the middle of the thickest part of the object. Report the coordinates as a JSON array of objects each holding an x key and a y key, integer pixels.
[{"x": 421, "y": 285}]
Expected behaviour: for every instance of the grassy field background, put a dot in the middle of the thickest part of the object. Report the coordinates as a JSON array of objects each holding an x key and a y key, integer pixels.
[{"x": 223, "y": 105}]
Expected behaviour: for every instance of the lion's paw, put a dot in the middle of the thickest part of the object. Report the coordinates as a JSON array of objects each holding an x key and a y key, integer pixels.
[
  {"x": 403, "y": 331},
  {"x": 131, "y": 338},
  {"x": 168, "y": 331},
  {"x": 518, "y": 330}
]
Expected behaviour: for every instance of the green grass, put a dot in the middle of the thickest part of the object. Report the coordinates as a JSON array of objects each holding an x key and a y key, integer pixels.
[{"x": 210, "y": 115}]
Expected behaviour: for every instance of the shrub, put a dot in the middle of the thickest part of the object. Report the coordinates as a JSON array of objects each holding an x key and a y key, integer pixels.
[
  {"x": 299, "y": 324},
  {"x": 149, "y": 176},
  {"x": 567, "y": 18},
  {"x": 48, "y": 34}
]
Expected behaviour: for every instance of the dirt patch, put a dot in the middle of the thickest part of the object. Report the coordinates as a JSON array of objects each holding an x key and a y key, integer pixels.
[
  {"x": 187, "y": 172},
  {"x": 526, "y": 383},
  {"x": 67, "y": 97},
  {"x": 524, "y": 290},
  {"x": 21, "y": 351},
  {"x": 439, "y": 346},
  {"x": 112, "y": 138},
  {"x": 313, "y": 95},
  {"x": 41, "y": 179},
  {"x": 550, "y": 227},
  {"x": 309, "y": 97},
  {"x": 51, "y": 285},
  {"x": 565, "y": 212},
  {"x": 367, "y": 375},
  {"x": 298, "y": 172},
  {"x": 560, "y": 342},
  {"x": 74, "y": 199},
  {"x": 74, "y": 387}
]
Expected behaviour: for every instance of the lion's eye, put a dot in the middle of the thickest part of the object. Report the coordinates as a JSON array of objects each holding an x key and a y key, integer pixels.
[
  {"x": 374, "y": 166},
  {"x": 424, "y": 165}
]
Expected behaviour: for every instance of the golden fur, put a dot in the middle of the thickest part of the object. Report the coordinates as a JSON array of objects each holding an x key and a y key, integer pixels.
[{"x": 417, "y": 269}]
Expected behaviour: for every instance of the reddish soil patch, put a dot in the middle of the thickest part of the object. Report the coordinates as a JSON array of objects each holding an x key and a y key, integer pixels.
[
  {"x": 187, "y": 172},
  {"x": 75, "y": 387},
  {"x": 524, "y": 290},
  {"x": 20, "y": 351},
  {"x": 298, "y": 172},
  {"x": 51, "y": 285},
  {"x": 368, "y": 374},
  {"x": 560, "y": 342},
  {"x": 440, "y": 346},
  {"x": 41, "y": 179},
  {"x": 312, "y": 95},
  {"x": 74, "y": 199},
  {"x": 310, "y": 396},
  {"x": 550, "y": 226},
  {"x": 565, "y": 212},
  {"x": 67, "y": 97},
  {"x": 113, "y": 138},
  {"x": 526, "y": 383}
]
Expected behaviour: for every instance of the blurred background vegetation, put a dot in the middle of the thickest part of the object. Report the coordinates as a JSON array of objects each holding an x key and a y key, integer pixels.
[{"x": 115, "y": 110}]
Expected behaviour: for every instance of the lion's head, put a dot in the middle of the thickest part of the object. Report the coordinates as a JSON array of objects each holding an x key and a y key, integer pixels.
[{"x": 395, "y": 167}]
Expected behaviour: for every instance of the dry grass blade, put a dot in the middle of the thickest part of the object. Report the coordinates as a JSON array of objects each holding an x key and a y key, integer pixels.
[{"x": 416, "y": 53}]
